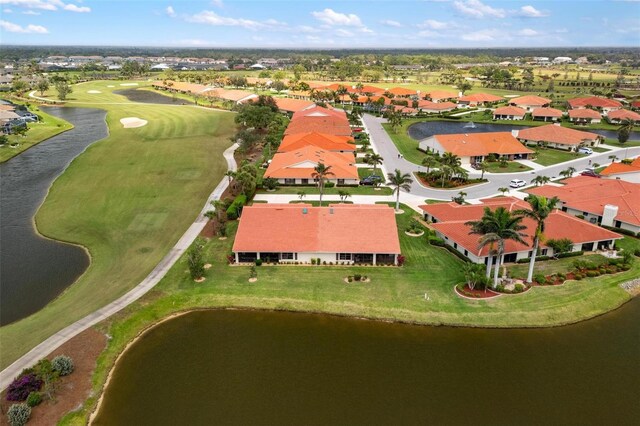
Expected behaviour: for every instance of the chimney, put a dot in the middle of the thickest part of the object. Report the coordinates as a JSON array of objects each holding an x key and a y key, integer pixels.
[
  {"x": 609, "y": 214},
  {"x": 515, "y": 132}
]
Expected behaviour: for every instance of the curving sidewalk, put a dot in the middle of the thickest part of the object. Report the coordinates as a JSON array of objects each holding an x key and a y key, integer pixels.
[{"x": 154, "y": 277}]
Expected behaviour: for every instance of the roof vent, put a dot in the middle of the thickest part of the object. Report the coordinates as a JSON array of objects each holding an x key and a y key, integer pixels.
[
  {"x": 331, "y": 210},
  {"x": 305, "y": 210}
]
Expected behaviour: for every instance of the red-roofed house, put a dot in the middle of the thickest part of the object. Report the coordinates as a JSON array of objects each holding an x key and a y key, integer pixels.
[
  {"x": 323, "y": 141},
  {"x": 603, "y": 104},
  {"x": 628, "y": 172},
  {"x": 530, "y": 102},
  {"x": 556, "y": 136},
  {"x": 509, "y": 113},
  {"x": 449, "y": 222},
  {"x": 546, "y": 114},
  {"x": 297, "y": 167},
  {"x": 435, "y": 107},
  {"x": 475, "y": 147},
  {"x": 441, "y": 95},
  {"x": 321, "y": 120},
  {"x": 288, "y": 105},
  {"x": 401, "y": 92},
  {"x": 635, "y": 104},
  {"x": 610, "y": 202},
  {"x": 340, "y": 234},
  {"x": 584, "y": 116},
  {"x": 478, "y": 99},
  {"x": 619, "y": 115}
]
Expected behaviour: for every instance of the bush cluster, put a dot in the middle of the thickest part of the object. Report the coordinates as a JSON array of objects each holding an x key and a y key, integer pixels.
[
  {"x": 21, "y": 387},
  {"x": 18, "y": 414},
  {"x": 236, "y": 206},
  {"x": 435, "y": 241},
  {"x": 34, "y": 398},
  {"x": 63, "y": 364}
]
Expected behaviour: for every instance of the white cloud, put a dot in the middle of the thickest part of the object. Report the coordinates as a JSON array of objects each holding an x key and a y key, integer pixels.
[
  {"x": 31, "y": 12},
  {"x": 7, "y": 11},
  {"x": 528, "y": 32},
  {"x": 313, "y": 38},
  {"x": 484, "y": 35},
  {"x": 343, "y": 33},
  {"x": 330, "y": 17},
  {"x": 170, "y": 12},
  {"x": 29, "y": 29},
  {"x": 78, "y": 9},
  {"x": 477, "y": 9},
  {"x": 307, "y": 29},
  {"x": 391, "y": 23},
  {"x": 211, "y": 18},
  {"x": 531, "y": 12},
  {"x": 434, "y": 25}
]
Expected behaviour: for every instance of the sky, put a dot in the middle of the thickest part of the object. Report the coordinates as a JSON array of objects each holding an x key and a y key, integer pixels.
[{"x": 321, "y": 24}]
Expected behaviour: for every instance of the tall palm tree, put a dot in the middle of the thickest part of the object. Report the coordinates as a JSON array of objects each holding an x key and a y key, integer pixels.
[
  {"x": 230, "y": 174},
  {"x": 540, "y": 209},
  {"x": 398, "y": 181},
  {"x": 541, "y": 180},
  {"x": 446, "y": 172},
  {"x": 483, "y": 167},
  {"x": 429, "y": 162},
  {"x": 320, "y": 173},
  {"x": 451, "y": 160},
  {"x": 497, "y": 227},
  {"x": 626, "y": 127},
  {"x": 567, "y": 173},
  {"x": 375, "y": 160}
]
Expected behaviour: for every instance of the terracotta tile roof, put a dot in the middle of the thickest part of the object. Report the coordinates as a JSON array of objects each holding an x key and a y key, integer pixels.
[
  {"x": 7, "y": 107},
  {"x": 301, "y": 228},
  {"x": 584, "y": 113},
  {"x": 370, "y": 89},
  {"x": 546, "y": 112},
  {"x": 319, "y": 111},
  {"x": 182, "y": 86},
  {"x": 621, "y": 168},
  {"x": 401, "y": 91},
  {"x": 301, "y": 162},
  {"x": 530, "y": 100},
  {"x": 436, "y": 106},
  {"x": 230, "y": 95},
  {"x": 320, "y": 140},
  {"x": 594, "y": 101},
  {"x": 452, "y": 218},
  {"x": 330, "y": 125},
  {"x": 556, "y": 134},
  {"x": 587, "y": 194},
  {"x": 293, "y": 105},
  {"x": 472, "y": 144},
  {"x": 509, "y": 110},
  {"x": 8, "y": 115},
  {"x": 635, "y": 104},
  {"x": 442, "y": 94},
  {"x": 481, "y": 97},
  {"x": 621, "y": 114}
]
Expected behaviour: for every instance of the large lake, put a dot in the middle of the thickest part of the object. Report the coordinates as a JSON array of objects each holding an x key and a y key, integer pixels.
[
  {"x": 274, "y": 368},
  {"x": 34, "y": 270}
]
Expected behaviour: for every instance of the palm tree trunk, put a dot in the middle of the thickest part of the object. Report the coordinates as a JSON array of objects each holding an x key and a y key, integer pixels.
[
  {"x": 533, "y": 259},
  {"x": 398, "y": 200},
  {"x": 489, "y": 264},
  {"x": 497, "y": 270}
]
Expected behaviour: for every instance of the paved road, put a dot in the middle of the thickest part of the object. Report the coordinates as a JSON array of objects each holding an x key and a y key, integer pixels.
[
  {"x": 383, "y": 145},
  {"x": 62, "y": 336}
]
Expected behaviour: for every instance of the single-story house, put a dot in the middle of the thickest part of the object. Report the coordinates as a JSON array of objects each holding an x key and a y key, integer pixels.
[
  {"x": 289, "y": 106},
  {"x": 180, "y": 87},
  {"x": 441, "y": 96},
  {"x": 338, "y": 234},
  {"x": 435, "y": 107},
  {"x": 236, "y": 96},
  {"x": 584, "y": 116},
  {"x": 610, "y": 202},
  {"x": 323, "y": 141},
  {"x": 546, "y": 114},
  {"x": 297, "y": 167},
  {"x": 449, "y": 222},
  {"x": 321, "y": 120},
  {"x": 603, "y": 104},
  {"x": 556, "y": 136},
  {"x": 509, "y": 113},
  {"x": 635, "y": 104},
  {"x": 479, "y": 99},
  {"x": 619, "y": 115},
  {"x": 628, "y": 172},
  {"x": 530, "y": 102},
  {"x": 476, "y": 147},
  {"x": 401, "y": 92}
]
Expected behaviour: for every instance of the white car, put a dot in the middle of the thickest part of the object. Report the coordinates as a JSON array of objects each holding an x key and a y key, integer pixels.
[
  {"x": 585, "y": 150},
  {"x": 517, "y": 183}
]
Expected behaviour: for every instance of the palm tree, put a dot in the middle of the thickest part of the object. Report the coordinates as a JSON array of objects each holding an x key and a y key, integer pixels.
[
  {"x": 230, "y": 174},
  {"x": 446, "y": 172},
  {"x": 626, "y": 127},
  {"x": 483, "y": 167},
  {"x": 343, "y": 195},
  {"x": 613, "y": 158},
  {"x": 301, "y": 195},
  {"x": 399, "y": 181},
  {"x": 375, "y": 160},
  {"x": 218, "y": 206},
  {"x": 567, "y": 173},
  {"x": 541, "y": 180},
  {"x": 504, "y": 190},
  {"x": 451, "y": 160},
  {"x": 320, "y": 173},
  {"x": 497, "y": 227},
  {"x": 429, "y": 162},
  {"x": 541, "y": 208}
]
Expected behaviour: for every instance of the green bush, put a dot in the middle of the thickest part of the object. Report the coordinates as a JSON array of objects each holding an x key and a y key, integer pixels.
[
  {"x": 329, "y": 184},
  {"x": 258, "y": 262},
  {"x": 435, "y": 241},
  {"x": 528, "y": 259},
  {"x": 592, "y": 274},
  {"x": 562, "y": 277},
  {"x": 63, "y": 364},
  {"x": 500, "y": 288},
  {"x": 519, "y": 288},
  {"x": 570, "y": 254},
  {"x": 235, "y": 207},
  {"x": 637, "y": 252},
  {"x": 625, "y": 267},
  {"x": 578, "y": 276},
  {"x": 18, "y": 414},
  {"x": 540, "y": 279},
  {"x": 620, "y": 230},
  {"x": 34, "y": 398},
  {"x": 357, "y": 277}
]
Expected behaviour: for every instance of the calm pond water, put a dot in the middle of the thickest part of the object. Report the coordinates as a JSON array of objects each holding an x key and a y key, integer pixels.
[
  {"x": 34, "y": 270},
  {"x": 273, "y": 368},
  {"x": 149, "y": 97},
  {"x": 425, "y": 129}
]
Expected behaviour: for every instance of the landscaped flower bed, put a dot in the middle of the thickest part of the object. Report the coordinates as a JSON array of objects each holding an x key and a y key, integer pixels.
[
  {"x": 475, "y": 293},
  {"x": 436, "y": 183}
]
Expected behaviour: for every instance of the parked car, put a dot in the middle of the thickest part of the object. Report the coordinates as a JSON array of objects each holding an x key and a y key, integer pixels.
[
  {"x": 370, "y": 180},
  {"x": 585, "y": 150},
  {"x": 517, "y": 183},
  {"x": 590, "y": 173}
]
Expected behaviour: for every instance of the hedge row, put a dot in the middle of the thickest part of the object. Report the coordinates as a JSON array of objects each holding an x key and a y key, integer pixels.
[
  {"x": 622, "y": 231},
  {"x": 236, "y": 206}
]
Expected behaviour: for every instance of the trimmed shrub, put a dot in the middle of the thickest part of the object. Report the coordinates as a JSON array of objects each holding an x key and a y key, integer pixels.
[
  {"x": 519, "y": 288},
  {"x": 500, "y": 288},
  {"x": 435, "y": 241},
  {"x": 578, "y": 277},
  {"x": 21, "y": 387},
  {"x": 235, "y": 207},
  {"x": 18, "y": 414},
  {"x": 258, "y": 262},
  {"x": 357, "y": 277},
  {"x": 562, "y": 277},
  {"x": 401, "y": 260},
  {"x": 63, "y": 364},
  {"x": 540, "y": 279},
  {"x": 528, "y": 259},
  {"x": 637, "y": 252},
  {"x": 593, "y": 274},
  {"x": 34, "y": 398},
  {"x": 625, "y": 267},
  {"x": 570, "y": 254},
  {"x": 620, "y": 230},
  {"x": 329, "y": 184}
]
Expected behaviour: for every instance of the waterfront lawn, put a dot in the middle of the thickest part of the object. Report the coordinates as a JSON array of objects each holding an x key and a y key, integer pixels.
[
  {"x": 550, "y": 156},
  {"x": 407, "y": 146},
  {"x": 512, "y": 167},
  {"x": 127, "y": 199},
  {"x": 48, "y": 127}
]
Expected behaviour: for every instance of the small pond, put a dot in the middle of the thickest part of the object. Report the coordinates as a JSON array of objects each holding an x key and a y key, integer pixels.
[{"x": 150, "y": 97}]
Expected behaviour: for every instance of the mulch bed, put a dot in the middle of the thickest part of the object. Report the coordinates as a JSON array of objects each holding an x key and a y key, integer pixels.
[
  {"x": 72, "y": 390},
  {"x": 209, "y": 230},
  {"x": 570, "y": 276},
  {"x": 477, "y": 293},
  {"x": 451, "y": 184}
]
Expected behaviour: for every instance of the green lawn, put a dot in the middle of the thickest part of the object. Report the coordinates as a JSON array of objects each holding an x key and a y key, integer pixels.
[
  {"x": 38, "y": 132},
  {"x": 364, "y": 172},
  {"x": 407, "y": 146},
  {"x": 312, "y": 190},
  {"x": 127, "y": 199},
  {"x": 550, "y": 156},
  {"x": 512, "y": 167}
]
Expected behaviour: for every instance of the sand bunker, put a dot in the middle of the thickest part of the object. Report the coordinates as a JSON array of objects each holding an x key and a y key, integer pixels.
[
  {"x": 93, "y": 91},
  {"x": 128, "y": 84},
  {"x": 132, "y": 122},
  {"x": 111, "y": 85}
]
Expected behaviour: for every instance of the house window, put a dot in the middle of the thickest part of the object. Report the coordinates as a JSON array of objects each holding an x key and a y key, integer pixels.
[
  {"x": 618, "y": 224},
  {"x": 287, "y": 256},
  {"x": 289, "y": 181},
  {"x": 455, "y": 245},
  {"x": 466, "y": 253},
  {"x": 344, "y": 256},
  {"x": 304, "y": 181},
  {"x": 340, "y": 181},
  {"x": 585, "y": 214},
  {"x": 544, "y": 252}
]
